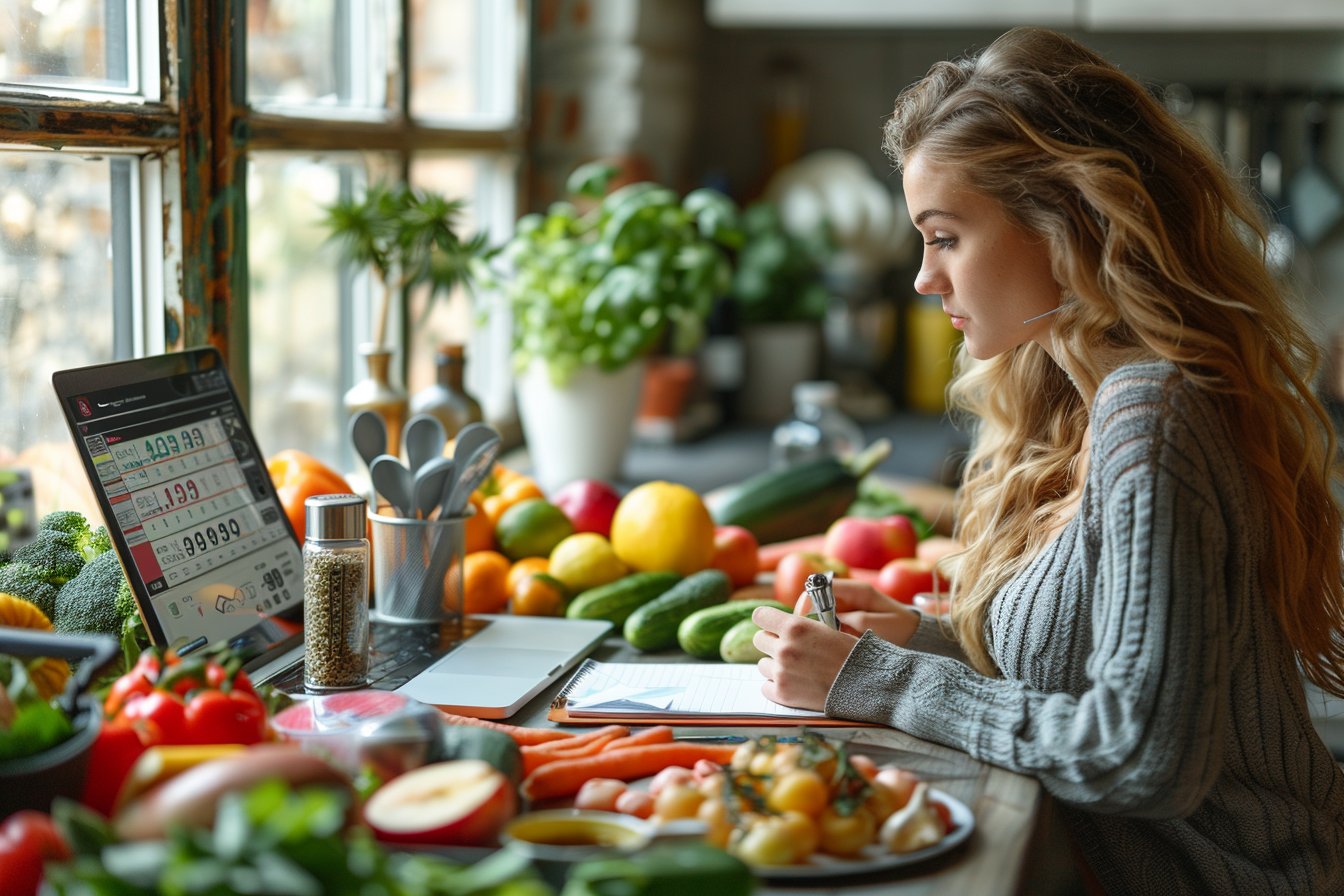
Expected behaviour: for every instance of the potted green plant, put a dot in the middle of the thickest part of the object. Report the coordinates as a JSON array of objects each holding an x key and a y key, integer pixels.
[
  {"x": 409, "y": 237},
  {"x": 593, "y": 286},
  {"x": 781, "y": 298}
]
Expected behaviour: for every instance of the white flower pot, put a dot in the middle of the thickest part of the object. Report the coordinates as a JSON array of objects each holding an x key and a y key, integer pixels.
[{"x": 579, "y": 430}]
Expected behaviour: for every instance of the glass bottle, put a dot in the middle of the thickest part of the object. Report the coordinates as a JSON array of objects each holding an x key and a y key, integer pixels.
[
  {"x": 448, "y": 399},
  {"x": 376, "y": 393},
  {"x": 335, "y": 593},
  {"x": 817, "y": 429}
]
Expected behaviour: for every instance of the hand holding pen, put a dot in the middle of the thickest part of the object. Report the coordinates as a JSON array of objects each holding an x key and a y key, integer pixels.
[{"x": 818, "y": 589}]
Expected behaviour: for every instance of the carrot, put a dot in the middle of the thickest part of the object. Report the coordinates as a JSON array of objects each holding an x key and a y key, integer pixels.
[
  {"x": 521, "y": 736},
  {"x": 578, "y": 740},
  {"x": 769, "y": 555},
  {"x": 658, "y": 734},
  {"x": 564, "y": 777},
  {"x": 534, "y": 759}
]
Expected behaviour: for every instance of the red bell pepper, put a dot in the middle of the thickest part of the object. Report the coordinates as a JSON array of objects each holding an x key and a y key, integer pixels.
[{"x": 115, "y": 750}]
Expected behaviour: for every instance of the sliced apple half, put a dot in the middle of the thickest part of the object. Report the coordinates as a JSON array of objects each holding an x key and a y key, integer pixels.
[{"x": 462, "y": 802}]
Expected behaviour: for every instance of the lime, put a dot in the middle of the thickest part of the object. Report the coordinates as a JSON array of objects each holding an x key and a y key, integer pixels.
[
  {"x": 585, "y": 560},
  {"x": 531, "y": 528}
]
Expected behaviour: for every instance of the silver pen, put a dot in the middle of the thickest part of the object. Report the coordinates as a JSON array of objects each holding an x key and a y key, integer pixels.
[{"x": 818, "y": 588}]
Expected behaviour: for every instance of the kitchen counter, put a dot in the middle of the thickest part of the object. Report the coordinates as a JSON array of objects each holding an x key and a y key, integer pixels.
[{"x": 993, "y": 862}]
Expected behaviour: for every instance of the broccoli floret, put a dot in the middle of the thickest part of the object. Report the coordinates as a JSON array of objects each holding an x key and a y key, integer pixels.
[
  {"x": 125, "y": 601},
  {"x": 90, "y": 542},
  {"x": 100, "y": 542},
  {"x": 22, "y": 580},
  {"x": 88, "y": 602},
  {"x": 71, "y": 522},
  {"x": 54, "y": 554}
]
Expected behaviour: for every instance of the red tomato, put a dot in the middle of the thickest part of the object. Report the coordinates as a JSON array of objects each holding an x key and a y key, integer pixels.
[
  {"x": 27, "y": 840},
  {"x": 219, "y": 717},
  {"x": 164, "y": 709},
  {"x": 794, "y": 568}
]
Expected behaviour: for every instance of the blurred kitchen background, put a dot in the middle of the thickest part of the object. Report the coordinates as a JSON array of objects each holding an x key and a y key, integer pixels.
[{"x": 785, "y": 99}]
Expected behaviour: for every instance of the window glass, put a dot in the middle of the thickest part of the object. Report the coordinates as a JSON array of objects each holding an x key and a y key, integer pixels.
[
  {"x": 70, "y": 44},
  {"x": 57, "y": 221},
  {"x": 325, "y": 53},
  {"x": 468, "y": 71},
  {"x": 486, "y": 184},
  {"x": 300, "y": 308}
]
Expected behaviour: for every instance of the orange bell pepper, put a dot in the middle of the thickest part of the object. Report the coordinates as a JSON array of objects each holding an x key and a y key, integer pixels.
[{"x": 297, "y": 476}]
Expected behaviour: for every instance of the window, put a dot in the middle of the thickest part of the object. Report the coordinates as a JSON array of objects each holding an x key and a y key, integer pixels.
[{"x": 163, "y": 168}]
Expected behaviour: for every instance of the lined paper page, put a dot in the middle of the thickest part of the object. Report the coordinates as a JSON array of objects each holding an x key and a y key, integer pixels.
[{"x": 663, "y": 689}]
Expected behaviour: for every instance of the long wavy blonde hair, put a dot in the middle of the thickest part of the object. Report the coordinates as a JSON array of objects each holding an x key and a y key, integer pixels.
[{"x": 1161, "y": 254}]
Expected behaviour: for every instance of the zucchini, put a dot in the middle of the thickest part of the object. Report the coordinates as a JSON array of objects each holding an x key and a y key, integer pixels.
[
  {"x": 701, "y": 632},
  {"x": 799, "y": 500},
  {"x": 654, "y": 625},
  {"x": 617, "y": 600},
  {"x": 737, "y": 644}
]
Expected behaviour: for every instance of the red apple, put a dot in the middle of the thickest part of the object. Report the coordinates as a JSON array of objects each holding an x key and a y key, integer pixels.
[
  {"x": 736, "y": 552},
  {"x": 589, "y": 504},
  {"x": 868, "y": 543},
  {"x": 794, "y": 568},
  {"x": 901, "y": 579},
  {"x": 461, "y": 802},
  {"x": 936, "y": 547}
]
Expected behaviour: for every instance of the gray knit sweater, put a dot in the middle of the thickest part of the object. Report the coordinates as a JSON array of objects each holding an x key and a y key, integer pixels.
[{"x": 1144, "y": 680}]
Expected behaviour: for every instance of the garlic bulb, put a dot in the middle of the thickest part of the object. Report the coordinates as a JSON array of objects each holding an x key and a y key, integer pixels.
[{"x": 914, "y": 826}]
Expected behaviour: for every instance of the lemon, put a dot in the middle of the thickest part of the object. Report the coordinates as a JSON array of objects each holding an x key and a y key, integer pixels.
[
  {"x": 531, "y": 528},
  {"x": 663, "y": 526},
  {"x": 585, "y": 560}
]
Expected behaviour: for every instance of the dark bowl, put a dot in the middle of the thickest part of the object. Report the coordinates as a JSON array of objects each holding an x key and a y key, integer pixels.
[{"x": 32, "y": 782}]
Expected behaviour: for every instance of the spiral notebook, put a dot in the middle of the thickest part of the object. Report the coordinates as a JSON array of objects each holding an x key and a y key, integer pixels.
[{"x": 685, "y": 693}]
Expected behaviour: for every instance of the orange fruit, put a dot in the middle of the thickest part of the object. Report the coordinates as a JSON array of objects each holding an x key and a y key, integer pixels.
[
  {"x": 515, "y": 492},
  {"x": 525, "y": 567},
  {"x": 538, "y": 594},
  {"x": 479, "y": 532},
  {"x": 663, "y": 525},
  {"x": 484, "y": 577},
  {"x": 531, "y": 528}
]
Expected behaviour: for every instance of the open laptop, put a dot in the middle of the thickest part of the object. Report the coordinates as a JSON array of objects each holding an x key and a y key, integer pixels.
[{"x": 211, "y": 556}]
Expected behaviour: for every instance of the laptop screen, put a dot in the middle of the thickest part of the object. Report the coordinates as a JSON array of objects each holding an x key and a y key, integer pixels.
[{"x": 186, "y": 496}]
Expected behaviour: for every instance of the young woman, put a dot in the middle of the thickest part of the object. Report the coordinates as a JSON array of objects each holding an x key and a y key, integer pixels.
[{"x": 1152, "y": 553}]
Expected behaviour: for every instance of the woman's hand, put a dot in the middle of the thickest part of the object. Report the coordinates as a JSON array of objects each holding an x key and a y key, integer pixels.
[
  {"x": 860, "y": 607},
  {"x": 802, "y": 657}
]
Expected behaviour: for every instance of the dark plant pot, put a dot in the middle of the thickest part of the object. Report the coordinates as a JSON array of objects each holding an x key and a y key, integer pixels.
[{"x": 32, "y": 782}]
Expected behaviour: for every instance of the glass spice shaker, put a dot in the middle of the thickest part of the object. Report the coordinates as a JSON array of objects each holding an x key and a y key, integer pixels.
[{"x": 335, "y": 593}]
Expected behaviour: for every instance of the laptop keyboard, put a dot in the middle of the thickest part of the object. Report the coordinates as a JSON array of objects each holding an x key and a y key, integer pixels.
[{"x": 397, "y": 653}]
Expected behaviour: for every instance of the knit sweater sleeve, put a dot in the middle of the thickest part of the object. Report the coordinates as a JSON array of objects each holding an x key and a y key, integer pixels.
[{"x": 1139, "y": 739}]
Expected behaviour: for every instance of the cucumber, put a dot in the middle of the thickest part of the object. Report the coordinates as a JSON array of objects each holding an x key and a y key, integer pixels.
[
  {"x": 799, "y": 500},
  {"x": 654, "y": 625},
  {"x": 617, "y": 600},
  {"x": 737, "y": 646},
  {"x": 701, "y": 632},
  {"x": 470, "y": 742},
  {"x": 671, "y": 868}
]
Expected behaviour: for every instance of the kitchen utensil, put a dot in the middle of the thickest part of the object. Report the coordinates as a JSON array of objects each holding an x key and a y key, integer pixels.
[
  {"x": 369, "y": 435},
  {"x": 431, "y": 485},
  {"x": 471, "y": 474},
  {"x": 424, "y": 438},
  {"x": 392, "y": 481},
  {"x": 1318, "y": 204}
]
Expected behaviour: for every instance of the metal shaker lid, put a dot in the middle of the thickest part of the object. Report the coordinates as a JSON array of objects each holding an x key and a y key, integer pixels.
[{"x": 334, "y": 516}]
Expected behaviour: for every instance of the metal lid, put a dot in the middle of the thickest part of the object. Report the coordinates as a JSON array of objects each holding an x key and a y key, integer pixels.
[{"x": 334, "y": 516}]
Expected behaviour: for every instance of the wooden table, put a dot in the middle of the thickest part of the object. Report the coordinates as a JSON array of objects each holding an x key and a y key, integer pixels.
[{"x": 1005, "y": 804}]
